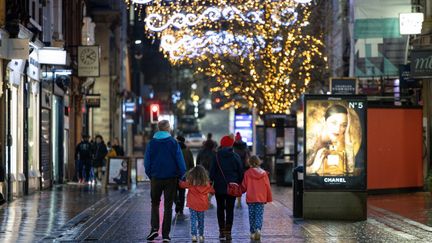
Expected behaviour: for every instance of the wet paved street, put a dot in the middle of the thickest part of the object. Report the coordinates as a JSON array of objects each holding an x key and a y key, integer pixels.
[{"x": 79, "y": 213}]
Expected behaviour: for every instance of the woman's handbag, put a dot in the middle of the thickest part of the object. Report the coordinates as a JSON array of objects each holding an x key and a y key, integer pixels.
[{"x": 233, "y": 189}]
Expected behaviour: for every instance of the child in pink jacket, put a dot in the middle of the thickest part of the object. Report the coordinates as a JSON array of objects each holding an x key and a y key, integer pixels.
[
  {"x": 256, "y": 184},
  {"x": 198, "y": 183}
]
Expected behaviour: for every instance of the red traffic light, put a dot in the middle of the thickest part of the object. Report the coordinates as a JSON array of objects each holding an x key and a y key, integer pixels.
[
  {"x": 154, "y": 113},
  {"x": 154, "y": 107}
]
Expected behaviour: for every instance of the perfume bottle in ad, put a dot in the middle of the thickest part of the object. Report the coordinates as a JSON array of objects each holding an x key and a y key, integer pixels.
[{"x": 334, "y": 162}]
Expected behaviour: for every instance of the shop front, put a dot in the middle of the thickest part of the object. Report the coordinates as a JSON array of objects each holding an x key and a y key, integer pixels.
[
  {"x": 33, "y": 123},
  {"x": 15, "y": 126}
]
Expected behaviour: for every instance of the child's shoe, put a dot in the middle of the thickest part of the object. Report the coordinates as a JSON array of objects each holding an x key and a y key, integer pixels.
[
  {"x": 194, "y": 238},
  {"x": 201, "y": 238},
  {"x": 258, "y": 235}
]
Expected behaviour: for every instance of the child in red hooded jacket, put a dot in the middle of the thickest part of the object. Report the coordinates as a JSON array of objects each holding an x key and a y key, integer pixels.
[
  {"x": 198, "y": 183},
  {"x": 256, "y": 184}
]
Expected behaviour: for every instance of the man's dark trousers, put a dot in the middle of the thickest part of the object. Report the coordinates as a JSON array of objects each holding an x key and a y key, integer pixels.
[
  {"x": 180, "y": 200},
  {"x": 169, "y": 189}
]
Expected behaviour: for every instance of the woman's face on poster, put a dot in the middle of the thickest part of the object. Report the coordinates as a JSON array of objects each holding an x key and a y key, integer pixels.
[{"x": 336, "y": 125}]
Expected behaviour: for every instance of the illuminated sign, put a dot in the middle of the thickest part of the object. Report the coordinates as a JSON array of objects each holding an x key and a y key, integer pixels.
[
  {"x": 53, "y": 56},
  {"x": 410, "y": 23},
  {"x": 92, "y": 100},
  {"x": 335, "y": 146},
  {"x": 244, "y": 125}
]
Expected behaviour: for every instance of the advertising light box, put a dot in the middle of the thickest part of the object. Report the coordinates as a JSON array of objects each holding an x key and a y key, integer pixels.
[
  {"x": 335, "y": 142},
  {"x": 243, "y": 124}
]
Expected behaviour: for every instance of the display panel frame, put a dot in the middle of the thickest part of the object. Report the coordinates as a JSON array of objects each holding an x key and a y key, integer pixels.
[{"x": 322, "y": 170}]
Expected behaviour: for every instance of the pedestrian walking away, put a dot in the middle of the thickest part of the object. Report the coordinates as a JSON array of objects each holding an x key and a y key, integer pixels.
[
  {"x": 180, "y": 195},
  {"x": 256, "y": 184},
  {"x": 83, "y": 157},
  {"x": 198, "y": 183},
  {"x": 205, "y": 157},
  {"x": 164, "y": 165},
  {"x": 100, "y": 151},
  {"x": 226, "y": 168},
  {"x": 241, "y": 148}
]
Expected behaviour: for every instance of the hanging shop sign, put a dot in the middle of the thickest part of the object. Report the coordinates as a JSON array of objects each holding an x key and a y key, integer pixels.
[
  {"x": 421, "y": 63},
  {"x": 343, "y": 86},
  {"x": 16, "y": 70},
  {"x": 18, "y": 48},
  {"x": 92, "y": 100},
  {"x": 33, "y": 70},
  {"x": 52, "y": 56},
  {"x": 335, "y": 146},
  {"x": 88, "y": 61}
]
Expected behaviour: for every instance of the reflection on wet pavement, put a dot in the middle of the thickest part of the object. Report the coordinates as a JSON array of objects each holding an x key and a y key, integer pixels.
[{"x": 78, "y": 214}]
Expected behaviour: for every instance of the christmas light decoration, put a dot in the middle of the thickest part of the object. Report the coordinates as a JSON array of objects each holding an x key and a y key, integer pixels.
[{"x": 261, "y": 54}]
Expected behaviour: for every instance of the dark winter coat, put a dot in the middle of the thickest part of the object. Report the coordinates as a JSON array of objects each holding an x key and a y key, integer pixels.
[
  {"x": 187, "y": 155},
  {"x": 242, "y": 150},
  {"x": 99, "y": 153},
  {"x": 84, "y": 151},
  {"x": 119, "y": 150},
  {"x": 231, "y": 166},
  {"x": 205, "y": 157}
]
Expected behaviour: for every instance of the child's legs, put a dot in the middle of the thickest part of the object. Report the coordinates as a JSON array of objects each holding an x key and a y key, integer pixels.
[
  {"x": 201, "y": 222},
  {"x": 252, "y": 216},
  {"x": 259, "y": 214},
  {"x": 193, "y": 221}
]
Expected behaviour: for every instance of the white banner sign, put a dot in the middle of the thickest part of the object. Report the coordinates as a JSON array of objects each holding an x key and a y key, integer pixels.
[{"x": 33, "y": 70}]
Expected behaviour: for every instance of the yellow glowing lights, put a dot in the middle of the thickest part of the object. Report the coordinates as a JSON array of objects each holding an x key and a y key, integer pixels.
[{"x": 264, "y": 64}]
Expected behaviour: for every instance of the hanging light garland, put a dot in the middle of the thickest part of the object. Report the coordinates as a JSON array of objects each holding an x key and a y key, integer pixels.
[{"x": 260, "y": 53}]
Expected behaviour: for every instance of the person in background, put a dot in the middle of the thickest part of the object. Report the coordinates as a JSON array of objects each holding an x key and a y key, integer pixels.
[
  {"x": 256, "y": 184},
  {"x": 210, "y": 141},
  {"x": 226, "y": 168},
  {"x": 111, "y": 152},
  {"x": 188, "y": 158},
  {"x": 242, "y": 150},
  {"x": 164, "y": 165},
  {"x": 83, "y": 156},
  {"x": 100, "y": 151},
  {"x": 117, "y": 147},
  {"x": 205, "y": 157}
]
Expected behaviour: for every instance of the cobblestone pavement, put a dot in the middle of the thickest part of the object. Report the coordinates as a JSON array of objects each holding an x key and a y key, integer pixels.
[{"x": 83, "y": 213}]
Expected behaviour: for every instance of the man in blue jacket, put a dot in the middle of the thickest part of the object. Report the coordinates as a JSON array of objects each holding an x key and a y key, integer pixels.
[{"x": 164, "y": 164}]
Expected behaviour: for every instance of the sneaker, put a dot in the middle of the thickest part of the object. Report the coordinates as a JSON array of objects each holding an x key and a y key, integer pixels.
[
  {"x": 201, "y": 238},
  {"x": 194, "y": 238},
  {"x": 166, "y": 239},
  {"x": 221, "y": 236},
  {"x": 252, "y": 236},
  {"x": 153, "y": 234},
  {"x": 258, "y": 235}
]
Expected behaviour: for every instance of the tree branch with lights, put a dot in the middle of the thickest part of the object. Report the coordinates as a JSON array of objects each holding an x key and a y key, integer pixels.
[{"x": 262, "y": 54}]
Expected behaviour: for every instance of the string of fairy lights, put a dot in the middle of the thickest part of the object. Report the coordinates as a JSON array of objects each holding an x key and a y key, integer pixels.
[{"x": 260, "y": 53}]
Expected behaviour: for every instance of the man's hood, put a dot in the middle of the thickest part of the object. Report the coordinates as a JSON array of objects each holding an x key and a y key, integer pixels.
[
  {"x": 257, "y": 173},
  {"x": 161, "y": 135}
]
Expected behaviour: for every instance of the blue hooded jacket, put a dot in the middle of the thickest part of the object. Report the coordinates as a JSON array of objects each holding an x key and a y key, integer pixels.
[
  {"x": 163, "y": 157},
  {"x": 232, "y": 168}
]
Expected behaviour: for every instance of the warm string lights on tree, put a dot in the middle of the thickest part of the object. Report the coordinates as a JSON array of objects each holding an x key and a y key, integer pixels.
[{"x": 260, "y": 53}]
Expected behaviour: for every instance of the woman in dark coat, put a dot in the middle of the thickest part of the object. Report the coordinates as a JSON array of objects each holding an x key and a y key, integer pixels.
[
  {"x": 99, "y": 153},
  {"x": 230, "y": 164}
]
